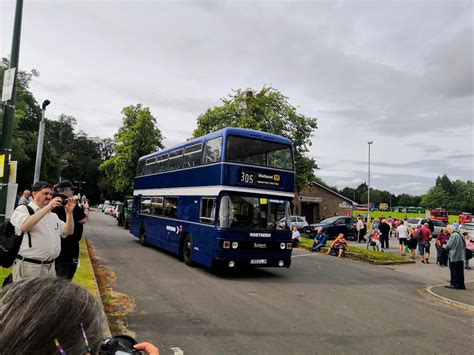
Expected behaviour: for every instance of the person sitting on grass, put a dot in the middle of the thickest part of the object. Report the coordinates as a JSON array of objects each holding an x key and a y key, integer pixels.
[
  {"x": 338, "y": 246},
  {"x": 319, "y": 240}
]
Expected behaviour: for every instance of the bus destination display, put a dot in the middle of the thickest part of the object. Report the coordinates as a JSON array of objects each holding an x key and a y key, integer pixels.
[{"x": 257, "y": 178}]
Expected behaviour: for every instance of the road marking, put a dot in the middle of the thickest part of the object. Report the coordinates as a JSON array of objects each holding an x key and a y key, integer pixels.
[
  {"x": 177, "y": 351},
  {"x": 297, "y": 256}
]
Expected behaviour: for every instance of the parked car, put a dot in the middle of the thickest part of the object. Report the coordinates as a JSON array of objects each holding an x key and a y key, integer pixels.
[
  {"x": 468, "y": 227},
  {"x": 298, "y": 221},
  {"x": 332, "y": 226},
  {"x": 105, "y": 206},
  {"x": 438, "y": 225},
  {"x": 110, "y": 209}
]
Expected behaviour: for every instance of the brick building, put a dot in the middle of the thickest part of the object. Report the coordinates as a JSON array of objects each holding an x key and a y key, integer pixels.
[{"x": 316, "y": 202}]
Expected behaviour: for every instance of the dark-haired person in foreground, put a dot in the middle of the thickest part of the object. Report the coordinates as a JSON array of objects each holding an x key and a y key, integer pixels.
[
  {"x": 46, "y": 315},
  {"x": 37, "y": 254}
]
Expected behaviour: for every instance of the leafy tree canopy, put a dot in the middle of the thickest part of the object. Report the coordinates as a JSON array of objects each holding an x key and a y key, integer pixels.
[
  {"x": 455, "y": 195},
  {"x": 138, "y": 136},
  {"x": 267, "y": 110},
  {"x": 66, "y": 154}
]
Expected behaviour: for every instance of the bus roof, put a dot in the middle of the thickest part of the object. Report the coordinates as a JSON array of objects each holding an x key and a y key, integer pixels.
[{"x": 251, "y": 133}]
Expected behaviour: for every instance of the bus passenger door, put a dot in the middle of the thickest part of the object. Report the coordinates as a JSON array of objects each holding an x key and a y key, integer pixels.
[{"x": 170, "y": 212}]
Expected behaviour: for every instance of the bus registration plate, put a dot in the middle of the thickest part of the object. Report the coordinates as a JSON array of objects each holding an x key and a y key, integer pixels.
[{"x": 258, "y": 261}]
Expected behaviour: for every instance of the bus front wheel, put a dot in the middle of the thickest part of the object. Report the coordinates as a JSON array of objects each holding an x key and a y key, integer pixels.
[{"x": 188, "y": 250}]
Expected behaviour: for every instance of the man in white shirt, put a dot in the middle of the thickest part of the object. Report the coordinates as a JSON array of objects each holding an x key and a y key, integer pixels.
[
  {"x": 360, "y": 229},
  {"x": 37, "y": 253},
  {"x": 25, "y": 198},
  {"x": 402, "y": 233}
]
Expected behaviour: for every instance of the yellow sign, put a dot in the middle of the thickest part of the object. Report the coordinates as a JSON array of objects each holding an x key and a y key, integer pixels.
[
  {"x": 276, "y": 177},
  {"x": 263, "y": 201},
  {"x": 2, "y": 164}
]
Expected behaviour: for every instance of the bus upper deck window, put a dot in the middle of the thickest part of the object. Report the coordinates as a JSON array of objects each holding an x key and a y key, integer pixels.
[{"x": 212, "y": 151}]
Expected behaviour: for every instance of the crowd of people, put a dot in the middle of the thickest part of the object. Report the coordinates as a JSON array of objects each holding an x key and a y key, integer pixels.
[{"x": 453, "y": 248}]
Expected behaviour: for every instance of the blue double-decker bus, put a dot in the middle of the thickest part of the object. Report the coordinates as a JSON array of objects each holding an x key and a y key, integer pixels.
[{"x": 220, "y": 200}]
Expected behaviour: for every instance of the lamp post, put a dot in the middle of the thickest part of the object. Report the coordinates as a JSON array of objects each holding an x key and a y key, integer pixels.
[
  {"x": 368, "y": 188},
  {"x": 39, "y": 148}
]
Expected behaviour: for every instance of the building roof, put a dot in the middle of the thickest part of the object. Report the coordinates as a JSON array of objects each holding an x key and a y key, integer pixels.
[{"x": 314, "y": 183}]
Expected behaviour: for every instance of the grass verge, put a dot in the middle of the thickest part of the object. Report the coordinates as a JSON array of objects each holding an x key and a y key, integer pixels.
[
  {"x": 116, "y": 304},
  {"x": 363, "y": 253}
]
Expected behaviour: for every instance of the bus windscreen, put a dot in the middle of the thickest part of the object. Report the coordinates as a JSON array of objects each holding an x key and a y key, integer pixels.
[
  {"x": 239, "y": 211},
  {"x": 245, "y": 150}
]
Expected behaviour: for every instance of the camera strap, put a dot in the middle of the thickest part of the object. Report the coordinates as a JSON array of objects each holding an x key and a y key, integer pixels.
[{"x": 31, "y": 212}]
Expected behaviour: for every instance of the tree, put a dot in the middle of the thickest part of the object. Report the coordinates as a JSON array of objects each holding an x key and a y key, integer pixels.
[
  {"x": 445, "y": 183},
  {"x": 267, "y": 110},
  {"x": 435, "y": 197},
  {"x": 138, "y": 136},
  {"x": 65, "y": 153},
  {"x": 349, "y": 192},
  {"x": 25, "y": 125}
]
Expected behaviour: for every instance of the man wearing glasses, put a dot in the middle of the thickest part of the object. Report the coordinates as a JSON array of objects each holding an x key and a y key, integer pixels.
[
  {"x": 43, "y": 232},
  {"x": 68, "y": 259}
]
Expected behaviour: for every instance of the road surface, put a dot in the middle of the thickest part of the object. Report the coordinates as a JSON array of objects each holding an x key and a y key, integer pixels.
[{"x": 321, "y": 304}]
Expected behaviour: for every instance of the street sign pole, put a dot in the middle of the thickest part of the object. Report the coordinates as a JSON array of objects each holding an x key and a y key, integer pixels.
[{"x": 9, "y": 112}]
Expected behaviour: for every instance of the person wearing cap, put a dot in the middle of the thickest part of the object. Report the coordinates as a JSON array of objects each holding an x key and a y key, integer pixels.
[
  {"x": 68, "y": 259},
  {"x": 42, "y": 230}
]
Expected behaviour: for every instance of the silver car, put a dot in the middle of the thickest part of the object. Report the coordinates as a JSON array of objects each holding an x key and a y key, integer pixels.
[
  {"x": 296, "y": 221},
  {"x": 438, "y": 225},
  {"x": 467, "y": 227}
]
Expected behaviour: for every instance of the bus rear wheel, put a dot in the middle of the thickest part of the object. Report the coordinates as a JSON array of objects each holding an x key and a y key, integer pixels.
[
  {"x": 188, "y": 250},
  {"x": 143, "y": 237}
]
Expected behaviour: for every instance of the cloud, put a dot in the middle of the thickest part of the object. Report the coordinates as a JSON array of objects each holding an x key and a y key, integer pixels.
[{"x": 399, "y": 73}]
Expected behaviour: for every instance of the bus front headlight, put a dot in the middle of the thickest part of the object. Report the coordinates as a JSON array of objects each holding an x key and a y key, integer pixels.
[
  {"x": 282, "y": 245},
  {"x": 235, "y": 245}
]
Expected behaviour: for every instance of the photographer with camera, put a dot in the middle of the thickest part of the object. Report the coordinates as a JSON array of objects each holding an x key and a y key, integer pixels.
[
  {"x": 66, "y": 262},
  {"x": 49, "y": 316},
  {"x": 42, "y": 230}
]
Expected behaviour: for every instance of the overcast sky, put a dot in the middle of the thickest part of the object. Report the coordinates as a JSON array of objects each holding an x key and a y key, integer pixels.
[{"x": 399, "y": 73}]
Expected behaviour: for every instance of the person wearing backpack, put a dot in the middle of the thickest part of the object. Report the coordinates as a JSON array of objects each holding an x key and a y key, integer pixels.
[
  {"x": 42, "y": 246},
  {"x": 424, "y": 238}
]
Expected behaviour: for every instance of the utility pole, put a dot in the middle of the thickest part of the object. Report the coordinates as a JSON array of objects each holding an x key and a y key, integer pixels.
[
  {"x": 368, "y": 188},
  {"x": 9, "y": 112},
  {"x": 39, "y": 147}
]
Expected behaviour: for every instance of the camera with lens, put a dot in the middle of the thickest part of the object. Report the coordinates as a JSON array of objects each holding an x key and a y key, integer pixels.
[
  {"x": 118, "y": 345},
  {"x": 64, "y": 198}
]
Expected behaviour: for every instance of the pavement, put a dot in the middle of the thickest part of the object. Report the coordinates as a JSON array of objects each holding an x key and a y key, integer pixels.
[{"x": 437, "y": 277}]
